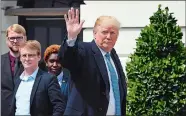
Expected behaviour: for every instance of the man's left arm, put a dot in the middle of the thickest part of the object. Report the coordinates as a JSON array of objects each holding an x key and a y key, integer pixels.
[{"x": 56, "y": 98}]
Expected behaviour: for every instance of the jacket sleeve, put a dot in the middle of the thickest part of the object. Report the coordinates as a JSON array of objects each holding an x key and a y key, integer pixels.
[
  {"x": 56, "y": 98},
  {"x": 72, "y": 57}
]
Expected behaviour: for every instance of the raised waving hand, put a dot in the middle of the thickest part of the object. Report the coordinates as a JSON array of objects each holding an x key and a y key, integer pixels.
[{"x": 72, "y": 23}]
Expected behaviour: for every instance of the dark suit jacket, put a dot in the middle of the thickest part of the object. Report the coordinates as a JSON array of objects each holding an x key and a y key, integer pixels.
[
  {"x": 46, "y": 99},
  {"x": 66, "y": 84},
  {"x": 90, "y": 76},
  {"x": 76, "y": 105},
  {"x": 7, "y": 83},
  {"x": 66, "y": 87}
]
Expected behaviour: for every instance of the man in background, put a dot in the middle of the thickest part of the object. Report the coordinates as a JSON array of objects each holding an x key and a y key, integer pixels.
[{"x": 10, "y": 65}]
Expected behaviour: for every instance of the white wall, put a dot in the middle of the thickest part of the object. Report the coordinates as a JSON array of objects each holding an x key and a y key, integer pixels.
[
  {"x": 6, "y": 21},
  {"x": 130, "y": 13},
  {"x": 133, "y": 16}
]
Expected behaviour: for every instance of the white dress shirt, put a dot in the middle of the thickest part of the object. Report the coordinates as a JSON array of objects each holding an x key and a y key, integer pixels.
[
  {"x": 24, "y": 92},
  {"x": 60, "y": 78}
]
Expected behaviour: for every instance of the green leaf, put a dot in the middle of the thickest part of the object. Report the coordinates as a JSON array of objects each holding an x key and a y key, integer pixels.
[{"x": 156, "y": 71}]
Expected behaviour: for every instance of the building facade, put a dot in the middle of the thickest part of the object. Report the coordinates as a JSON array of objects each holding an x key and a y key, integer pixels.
[{"x": 133, "y": 16}]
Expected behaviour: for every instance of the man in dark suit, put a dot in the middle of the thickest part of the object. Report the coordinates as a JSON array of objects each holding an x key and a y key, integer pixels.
[
  {"x": 10, "y": 67},
  {"x": 36, "y": 93},
  {"x": 95, "y": 67}
]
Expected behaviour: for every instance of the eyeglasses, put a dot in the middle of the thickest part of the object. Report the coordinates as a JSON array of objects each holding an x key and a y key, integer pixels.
[
  {"x": 18, "y": 38},
  {"x": 24, "y": 56}
]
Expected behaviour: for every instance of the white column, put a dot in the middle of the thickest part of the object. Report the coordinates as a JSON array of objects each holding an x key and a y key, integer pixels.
[{"x": 6, "y": 21}]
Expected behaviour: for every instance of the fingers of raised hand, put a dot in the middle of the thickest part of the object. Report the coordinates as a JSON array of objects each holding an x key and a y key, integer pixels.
[
  {"x": 69, "y": 15},
  {"x": 66, "y": 19},
  {"x": 81, "y": 23},
  {"x": 72, "y": 13},
  {"x": 73, "y": 16},
  {"x": 77, "y": 16}
]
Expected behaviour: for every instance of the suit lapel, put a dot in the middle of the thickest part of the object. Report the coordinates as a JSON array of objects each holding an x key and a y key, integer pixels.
[
  {"x": 17, "y": 82},
  {"x": 16, "y": 67},
  {"x": 7, "y": 69},
  {"x": 102, "y": 66},
  {"x": 18, "y": 70},
  {"x": 66, "y": 75},
  {"x": 35, "y": 86}
]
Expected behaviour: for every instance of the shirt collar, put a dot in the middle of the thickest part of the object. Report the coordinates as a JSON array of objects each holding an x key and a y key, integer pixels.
[
  {"x": 60, "y": 76},
  {"x": 12, "y": 58},
  {"x": 32, "y": 76},
  {"x": 103, "y": 52}
]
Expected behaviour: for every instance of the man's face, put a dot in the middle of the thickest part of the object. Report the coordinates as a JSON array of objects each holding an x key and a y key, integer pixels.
[
  {"x": 53, "y": 64},
  {"x": 106, "y": 36},
  {"x": 29, "y": 58},
  {"x": 14, "y": 40}
]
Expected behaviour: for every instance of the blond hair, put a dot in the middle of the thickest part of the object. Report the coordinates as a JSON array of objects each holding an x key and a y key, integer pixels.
[
  {"x": 32, "y": 45},
  {"x": 107, "y": 20},
  {"x": 16, "y": 28}
]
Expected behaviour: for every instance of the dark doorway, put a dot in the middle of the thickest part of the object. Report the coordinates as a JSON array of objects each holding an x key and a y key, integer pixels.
[{"x": 46, "y": 30}]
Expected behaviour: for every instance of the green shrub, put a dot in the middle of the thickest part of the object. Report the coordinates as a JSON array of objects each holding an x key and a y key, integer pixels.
[{"x": 156, "y": 70}]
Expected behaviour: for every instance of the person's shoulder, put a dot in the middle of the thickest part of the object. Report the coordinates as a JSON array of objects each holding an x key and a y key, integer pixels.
[
  {"x": 46, "y": 78},
  {"x": 4, "y": 55},
  {"x": 113, "y": 50},
  {"x": 85, "y": 44},
  {"x": 42, "y": 65},
  {"x": 66, "y": 72},
  {"x": 47, "y": 75}
]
